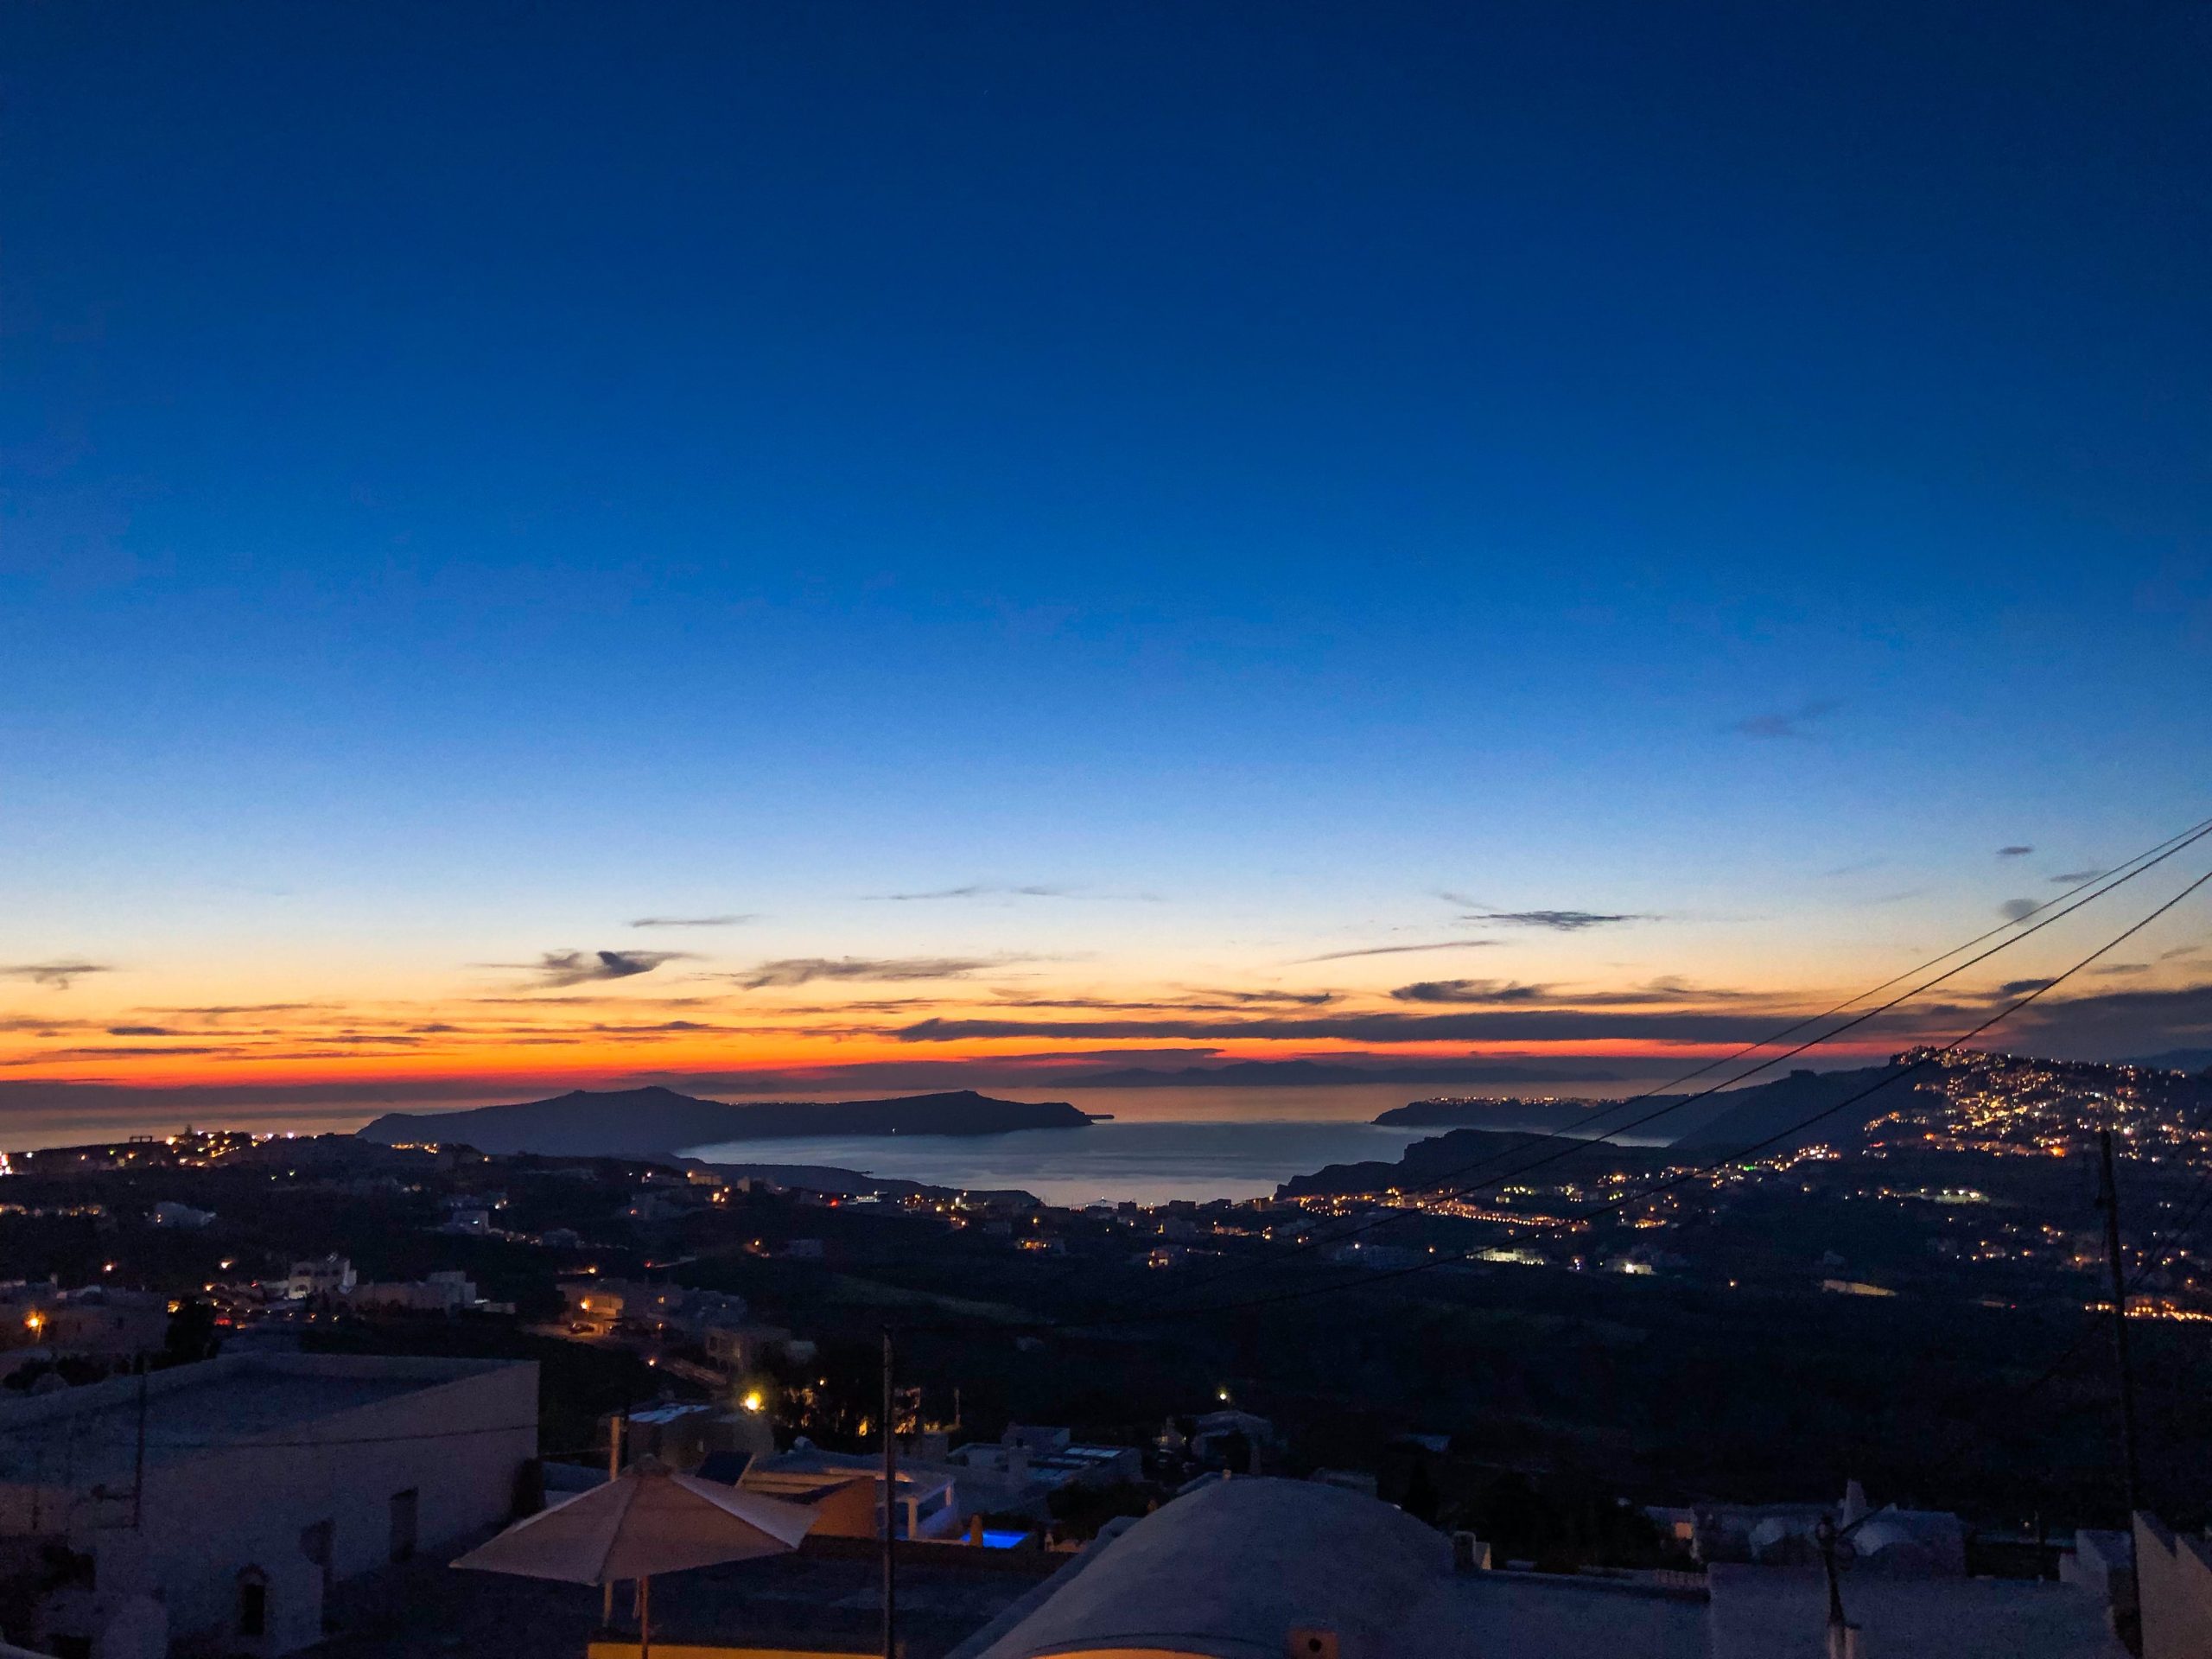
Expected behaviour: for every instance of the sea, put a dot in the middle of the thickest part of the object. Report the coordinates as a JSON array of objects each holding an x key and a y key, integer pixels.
[
  {"x": 1152, "y": 1144},
  {"x": 1158, "y": 1145}
]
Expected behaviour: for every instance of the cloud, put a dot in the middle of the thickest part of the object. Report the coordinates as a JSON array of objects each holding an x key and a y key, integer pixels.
[
  {"x": 220, "y": 1010},
  {"x": 115, "y": 1053},
  {"x": 2018, "y": 910},
  {"x": 2108, "y": 1024},
  {"x": 1490, "y": 992},
  {"x": 1791, "y": 723},
  {"x": 2014, "y": 852},
  {"x": 803, "y": 970},
  {"x": 557, "y": 969},
  {"x": 1559, "y": 921},
  {"x": 695, "y": 921},
  {"x": 143, "y": 1031},
  {"x": 2073, "y": 878},
  {"x": 59, "y": 974},
  {"x": 2019, "y": 987},
  {"x": 1399, "y": 950},
  {"x": 1187, "y": 1002},
  {"x": 1516, "y": 1025}
]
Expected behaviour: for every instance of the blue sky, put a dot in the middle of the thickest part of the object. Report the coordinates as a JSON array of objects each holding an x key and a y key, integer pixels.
[{"x": 471, "y": 477}]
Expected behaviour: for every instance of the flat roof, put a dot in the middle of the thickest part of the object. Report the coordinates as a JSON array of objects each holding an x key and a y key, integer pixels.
[
  {"x": 86, "y": 1435},
  {"x": 809, "y": 1601},
  {"x": 1776, "y": 1612}
]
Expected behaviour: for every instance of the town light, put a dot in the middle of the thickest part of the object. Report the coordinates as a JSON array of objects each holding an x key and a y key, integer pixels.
[{"x": 752, "y": 1401}]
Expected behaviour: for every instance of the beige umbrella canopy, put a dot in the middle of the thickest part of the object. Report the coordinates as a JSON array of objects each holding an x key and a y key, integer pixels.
[{"x": 646, "y": 1522}]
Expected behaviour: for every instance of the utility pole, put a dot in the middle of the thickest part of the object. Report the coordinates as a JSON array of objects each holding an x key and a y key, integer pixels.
[
  {"x": 138, "y": 1460},
  {"x": 890, "y": 1499},
  {"x": 2108, "y": 1201},
  {"x": 1842, "y": 1634},
  {"x": 613, "y": 1473}
]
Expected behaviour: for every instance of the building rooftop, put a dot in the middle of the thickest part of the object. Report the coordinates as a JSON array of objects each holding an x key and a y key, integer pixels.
[
  {"x": 815, "y": 1600},
  {"x": 85, "y": 1436},
  {"x": 1230, "y": 1570},
  {"x": 1767, "y": 1612}
]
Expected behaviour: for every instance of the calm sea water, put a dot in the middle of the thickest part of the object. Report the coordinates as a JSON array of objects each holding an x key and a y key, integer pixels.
[
  {"x": 1150, "y": 1162},
  {"x": 1163, "y": 1143}
]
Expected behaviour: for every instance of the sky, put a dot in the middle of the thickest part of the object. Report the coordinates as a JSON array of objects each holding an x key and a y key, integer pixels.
[{"x": 858, "y": 546}]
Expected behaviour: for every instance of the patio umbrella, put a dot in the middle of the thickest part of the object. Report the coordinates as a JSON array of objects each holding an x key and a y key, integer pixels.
[{"x": 647, "y": 1521}]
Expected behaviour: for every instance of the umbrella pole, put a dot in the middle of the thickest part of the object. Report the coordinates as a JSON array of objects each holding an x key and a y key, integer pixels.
[
  {"x": 613, "y": 1473},
  {"x": 645, "y": 1618}
]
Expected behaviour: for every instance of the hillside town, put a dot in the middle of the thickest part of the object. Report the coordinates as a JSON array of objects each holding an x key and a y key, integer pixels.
[{"x": 207, "y": 1296}]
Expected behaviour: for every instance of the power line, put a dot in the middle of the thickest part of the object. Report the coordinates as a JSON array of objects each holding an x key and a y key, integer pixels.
[
  {"x": 1451, "y": 1184},
  {"x": 1371, "y": 1277}
]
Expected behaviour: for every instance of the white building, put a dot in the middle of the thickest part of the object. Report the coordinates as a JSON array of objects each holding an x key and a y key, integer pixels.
[
  {"x": 1030, "y": 1462},
  {"x": 95, "y": 1322},
  {"x": 449, "y": 1292},
  {"x": 927, "y": 1504},
  {"x": 328, "y": 1275},
  {"x": 266, "y": 1479},
  {"x": 1249, "y": 1569}
]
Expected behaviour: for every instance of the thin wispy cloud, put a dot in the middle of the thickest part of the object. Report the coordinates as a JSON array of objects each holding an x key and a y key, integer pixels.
[
  {"x": 1786, "y": 724},
  {"x": 60, "y": 974},
  {"x": 2014, "y": 852},
  {"x": 1559, "y": 921},
  {"x": 1494, "y": 993},
  {"x": 1506, "y": 1023},
  {"x": 805, "y": 971},
  {"x": 1399, "y": 950},
  {"x": 695, "y": 921},
  {"x": 2073, "y": 878},
  {"x": 558, "y": 970},
  {"x": 2018, "y": 910},
  {"x": 224, "y": 1010},
  {"x": 1185, "y": 1002}
]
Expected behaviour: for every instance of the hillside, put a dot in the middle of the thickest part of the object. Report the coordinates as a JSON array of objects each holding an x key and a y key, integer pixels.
[
  {"x": 659, "y": 1123},
  {"x": 1726, "y": 1118},
  {"x": 1317, "y": 1074},
  {"x": 1447, "y": 1157}
]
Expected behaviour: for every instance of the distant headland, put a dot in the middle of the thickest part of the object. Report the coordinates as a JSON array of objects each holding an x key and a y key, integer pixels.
[{"x": 659, "y": 1123}]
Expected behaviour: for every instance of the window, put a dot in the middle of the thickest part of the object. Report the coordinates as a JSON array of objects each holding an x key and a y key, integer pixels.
[
  {"x": 317, "y": 1544},
  {"x": 253, "y": 1602},
  {"x": 404, "y": 1508}
]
